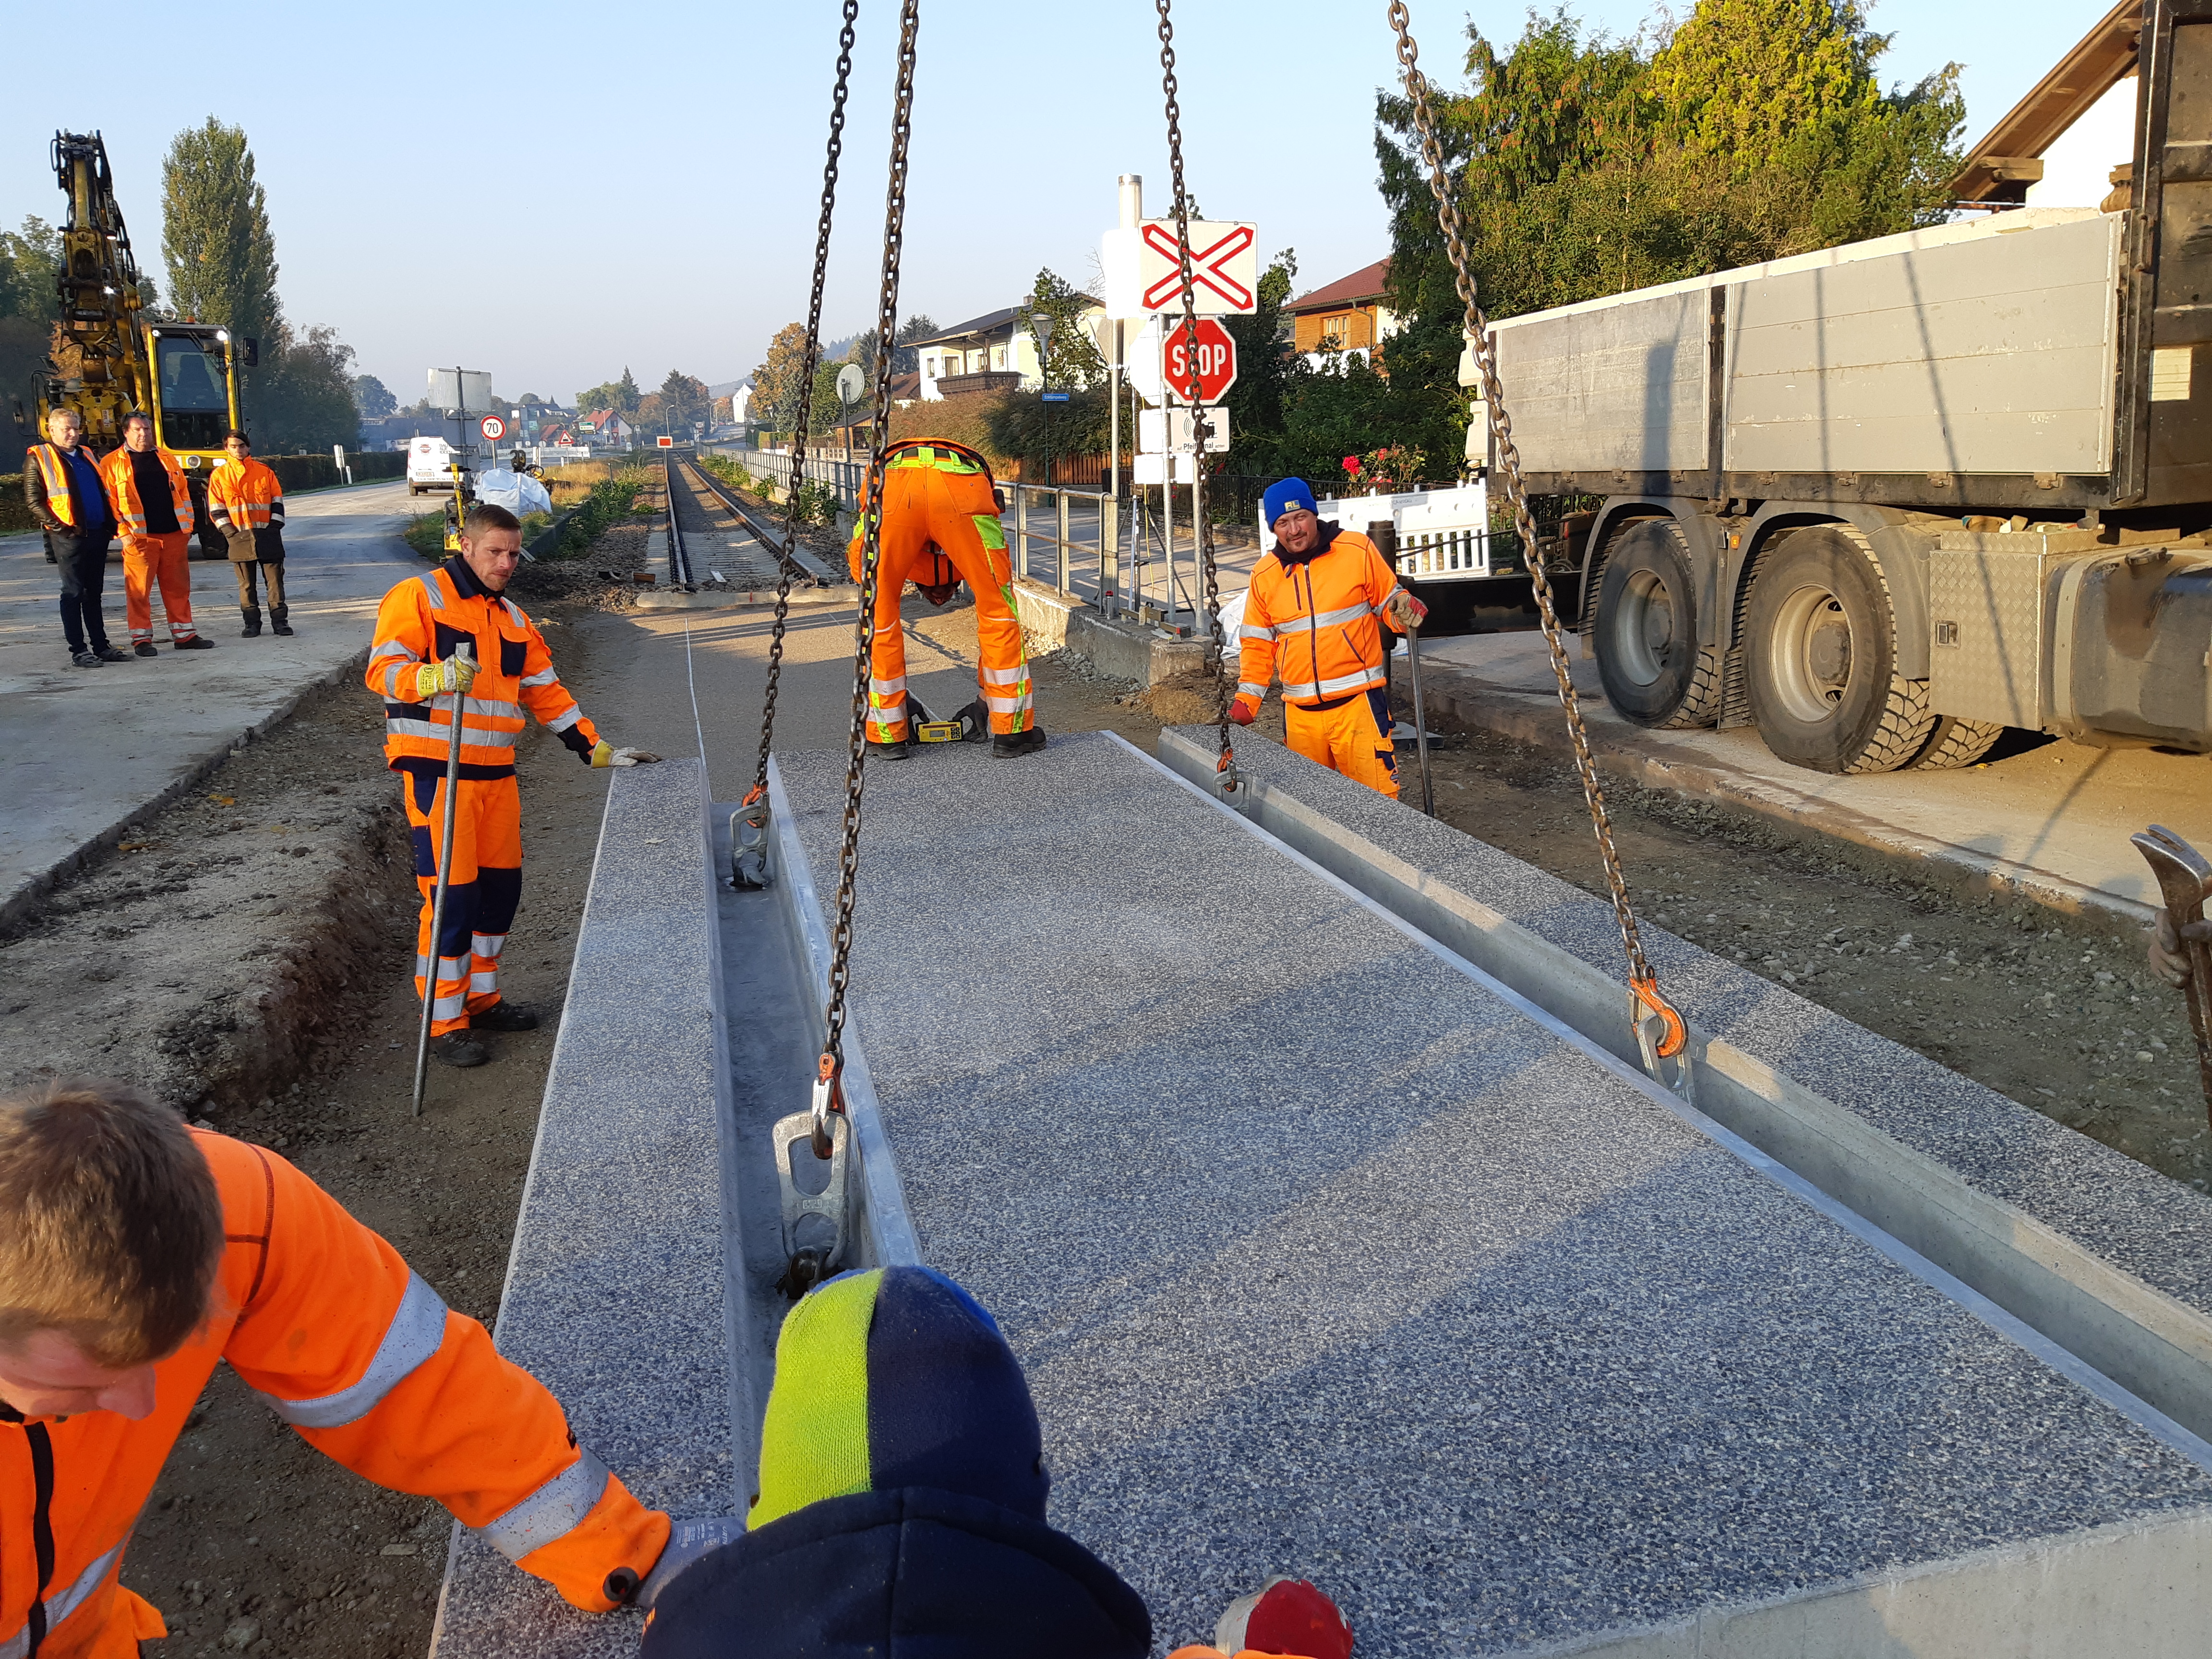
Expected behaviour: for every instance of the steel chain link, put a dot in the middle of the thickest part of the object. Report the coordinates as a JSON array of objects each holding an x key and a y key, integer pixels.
[
  {"x": 1202, "y": 527},
  {"x": 848, "y": 856},
  {"x": 785, "y": 561},
  {"x": 1477, "y": 327}
]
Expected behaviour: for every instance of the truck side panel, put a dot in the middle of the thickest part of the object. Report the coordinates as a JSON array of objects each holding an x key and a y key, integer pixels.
[
  {"x": 1620, "y": 387},
  {"x": 1992, "y": 355}
]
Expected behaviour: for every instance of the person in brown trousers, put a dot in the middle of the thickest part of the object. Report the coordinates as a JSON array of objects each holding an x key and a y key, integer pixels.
[{"x": 248, "y": 505}]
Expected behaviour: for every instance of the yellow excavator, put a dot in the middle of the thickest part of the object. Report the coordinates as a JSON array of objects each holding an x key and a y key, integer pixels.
[{"x": 109, "y": 358}]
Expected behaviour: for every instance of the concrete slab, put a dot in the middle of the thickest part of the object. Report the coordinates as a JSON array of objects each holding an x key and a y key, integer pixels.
[
  {"x": 2052, "y": 823},
  {"x": 2106, "y": 1255},
  {"x": 84, "y": 750},
  {"x": 1439, "y": 1309},
  {"x": 617, "y": 1296}
]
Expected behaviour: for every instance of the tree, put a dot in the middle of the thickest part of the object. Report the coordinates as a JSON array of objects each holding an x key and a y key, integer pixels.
[
  {"x": 648, "y": 417},
  {"x": 28, "y": 260},
  {"x": 215, "y": 240},
  {"x": 684, "y": 399},
  {"x": 305, "y": 401},
  {"x": 1072, "y": 361},
  {"x": 374, "y": 399},
  {"x": 905, "y": 360},
  {"x": 779, "y": 383},
  {"x": 1265, "y": 365}
]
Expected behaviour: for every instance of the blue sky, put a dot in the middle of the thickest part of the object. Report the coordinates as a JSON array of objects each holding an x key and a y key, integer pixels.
[{"x": 557, "y": 192}]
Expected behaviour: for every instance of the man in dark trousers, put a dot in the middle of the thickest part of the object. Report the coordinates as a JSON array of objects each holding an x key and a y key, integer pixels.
[{"x": 62, "y": 487}]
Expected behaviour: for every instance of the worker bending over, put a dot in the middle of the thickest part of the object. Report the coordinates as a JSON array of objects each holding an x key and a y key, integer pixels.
[
  {"x": 135, "y": 1254},
  {"x": 1311, "y": 615},
  {"x": 452, "y": 634},
  {"x": 939, "y": 508},
  {"x": 152, "y": 504},
  {"x": 248, "y": 505}
]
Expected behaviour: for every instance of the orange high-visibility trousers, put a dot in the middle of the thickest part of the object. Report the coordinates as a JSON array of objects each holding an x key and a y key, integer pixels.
[
  {"x": 957, "y": 513},
  {"x": 483, "y": 887},
  {"x": 148, "y": 559},
  {"x": 1352, "y": 735}
]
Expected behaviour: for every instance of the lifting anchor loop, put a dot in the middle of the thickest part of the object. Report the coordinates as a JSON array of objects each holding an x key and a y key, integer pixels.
[
  {"x": 813, "y": 1252},
  {"x": 749, "y": 840},
  {"x": 1661, "y": 1035},
  {"x": 1229, "y": 780}
]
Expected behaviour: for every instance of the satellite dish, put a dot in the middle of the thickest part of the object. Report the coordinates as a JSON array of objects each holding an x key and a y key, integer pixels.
[{"x": 850, "y": 381}]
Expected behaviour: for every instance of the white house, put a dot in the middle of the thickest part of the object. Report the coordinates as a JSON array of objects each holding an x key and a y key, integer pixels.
[
  {"x": 2071, "y": 141},
  {"x": 995, "y": 352}
]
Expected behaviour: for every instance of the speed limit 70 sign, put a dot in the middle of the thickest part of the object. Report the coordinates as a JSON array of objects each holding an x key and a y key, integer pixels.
[
  {"x": 493, "y": 428},
  {"x": 1198, "y": 369}
]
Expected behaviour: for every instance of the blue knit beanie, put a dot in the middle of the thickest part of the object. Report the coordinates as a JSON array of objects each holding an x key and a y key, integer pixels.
[
  {"x": 895, "y": 1377},
  {"x": 1282, "y": 496}
]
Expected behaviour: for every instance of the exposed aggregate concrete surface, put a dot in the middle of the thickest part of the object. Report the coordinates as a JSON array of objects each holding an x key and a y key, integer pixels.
[{"x": 1439, "y": 1313}]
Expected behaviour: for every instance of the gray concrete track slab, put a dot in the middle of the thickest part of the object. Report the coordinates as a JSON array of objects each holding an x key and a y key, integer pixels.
[
  {"x": 2051, "y": 822},
  {"x": 83, "y": 750},
  {"x": 1446, "y": 1316}
]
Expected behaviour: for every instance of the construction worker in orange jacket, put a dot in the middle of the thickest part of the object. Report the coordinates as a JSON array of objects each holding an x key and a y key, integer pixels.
[
  {"x": 452, "y": 634},
  {"x": 1312, "y": 614},
  {"x": 940, "y": 509},
  {"x": 64, "y": 494},
  {"x": 134, "y": 1255},
  {"x": 248, "y": 505},
  {"x": 153, "y": 505}
]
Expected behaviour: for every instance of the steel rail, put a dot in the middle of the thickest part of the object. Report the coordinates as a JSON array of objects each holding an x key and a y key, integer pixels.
[{"x": 763, "y": 533}]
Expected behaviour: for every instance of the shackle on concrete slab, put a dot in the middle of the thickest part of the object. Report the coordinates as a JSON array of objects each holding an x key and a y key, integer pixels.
[{"x": 1667, "y": 1039}]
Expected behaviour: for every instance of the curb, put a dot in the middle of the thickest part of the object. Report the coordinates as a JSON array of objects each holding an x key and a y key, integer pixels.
[
  {"x": 17, "y": 907},
  {"x": 1535, "y": 718}
]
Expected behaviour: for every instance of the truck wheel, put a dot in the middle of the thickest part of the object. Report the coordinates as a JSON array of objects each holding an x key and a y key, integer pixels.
[
  {"x": 1646, "y": 636},
  {"x": 1824, "y": 685},
  {"x": 1956, "y": 743}
]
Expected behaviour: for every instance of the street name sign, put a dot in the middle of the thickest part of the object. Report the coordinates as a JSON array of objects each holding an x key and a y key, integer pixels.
[{"x": 1143, "y": 268}]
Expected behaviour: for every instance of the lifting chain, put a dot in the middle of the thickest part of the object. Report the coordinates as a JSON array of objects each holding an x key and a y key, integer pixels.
[
  {"x": 829, "y": 1098},
  {"x": 1659, "y": 1029},
  {"x": 757, "y": 799},
  {"x": 1226, "y": 767}
]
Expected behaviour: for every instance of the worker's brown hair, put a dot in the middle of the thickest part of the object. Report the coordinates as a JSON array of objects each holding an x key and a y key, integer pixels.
[
  {"x": 489, "y": 515},
  {"x": 138, "y": 415},
  {"x": 110, "y": 1228}
]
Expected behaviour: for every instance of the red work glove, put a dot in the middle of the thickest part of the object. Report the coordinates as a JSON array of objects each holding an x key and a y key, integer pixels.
[
  {"x": 1243, "y": 711},
  {"x": 1404, "y": 609}
]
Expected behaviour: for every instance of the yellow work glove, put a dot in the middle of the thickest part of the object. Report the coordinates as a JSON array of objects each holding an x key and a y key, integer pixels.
[
  {"x": 605, "y": 754},
  {"x": 456, "y": 673}
]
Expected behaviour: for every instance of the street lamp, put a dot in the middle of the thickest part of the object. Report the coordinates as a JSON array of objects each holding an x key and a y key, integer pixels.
[{"x": 1041, "y": 325}]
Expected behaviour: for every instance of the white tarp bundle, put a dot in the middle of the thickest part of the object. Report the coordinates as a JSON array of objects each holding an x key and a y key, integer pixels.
[{"x": 518, "y": 492}]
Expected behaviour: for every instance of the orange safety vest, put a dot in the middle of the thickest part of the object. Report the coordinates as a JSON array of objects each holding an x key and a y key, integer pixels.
[
  {"x": 122, "y": 484},
  {"x": 245, "y": 492},
  {"x": 426, "y": 619},
  {"x": 1316, "y": 620},
  {"x": 322, "y": 1318},
  {"x": 55, "y": 472}
]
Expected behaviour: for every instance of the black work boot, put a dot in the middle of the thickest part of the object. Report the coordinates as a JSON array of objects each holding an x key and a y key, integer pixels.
[
  {"x": 459, "y": 1048},
  {"x": 1004, "y": 745},
  {"x": 502, "y": 1016},
  {"x": 252, "y": 628},
  {"x": 895, "y": 750},
  {"x": 277, "y": 622}
]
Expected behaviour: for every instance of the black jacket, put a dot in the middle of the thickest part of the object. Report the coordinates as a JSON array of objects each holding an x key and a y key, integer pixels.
[
  {"x": 90, "y": 516},
  {"x": 912, "y": 1574}
]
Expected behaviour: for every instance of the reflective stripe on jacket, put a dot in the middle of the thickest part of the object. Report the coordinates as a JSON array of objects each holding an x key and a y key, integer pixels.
[
  {"x": 1314, "y": 621},
  {"x": 122, "y": 484},
  {"x": 426, "y": 619},
  {"x": 245, "y": 497},
  {"x": 323, "y": 1319},
  {"x": 48, "y": 491}
]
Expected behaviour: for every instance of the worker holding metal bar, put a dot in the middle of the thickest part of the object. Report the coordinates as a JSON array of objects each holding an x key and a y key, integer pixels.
[
  {"x": 418, "y": 666},
  {"x": 135, "y": 1254},
  {"x": 940, "y": 526},
  {"x": 1314, "y": 616}
]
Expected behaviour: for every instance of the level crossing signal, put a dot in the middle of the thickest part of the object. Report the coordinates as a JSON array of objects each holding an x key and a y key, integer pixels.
[{"x": 1198, "y": 369}]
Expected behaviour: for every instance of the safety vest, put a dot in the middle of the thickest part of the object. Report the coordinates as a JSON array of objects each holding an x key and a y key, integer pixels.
[
  {"x": 323, "y": 1320},
  {"x": 122, "y": 484},
  {"x": 55, "y": 472},
  {"x": 245, "y": 492},
  {"x": 426, "y": 619},
  {"x": 1314, "y": 621}
]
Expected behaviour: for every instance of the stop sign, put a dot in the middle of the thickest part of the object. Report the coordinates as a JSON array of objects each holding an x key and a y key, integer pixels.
[{"x": 1199, "y": 370}]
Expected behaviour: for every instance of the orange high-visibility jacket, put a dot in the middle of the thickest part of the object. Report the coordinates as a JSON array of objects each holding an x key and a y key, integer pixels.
[
  {"x": 123, "y": 491},
  {"x": 54, "y": 475},
  {"x": 426, "y": 619},
  {"x": 245, "y": 496},
  {"x": 323, "y": 1319},
  {"x": 1315, "y": 621}
]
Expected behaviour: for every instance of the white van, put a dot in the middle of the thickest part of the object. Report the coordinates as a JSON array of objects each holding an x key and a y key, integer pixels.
[{"x": 429, "y": 465}]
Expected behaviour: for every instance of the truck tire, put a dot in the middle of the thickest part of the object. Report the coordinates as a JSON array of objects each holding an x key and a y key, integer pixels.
[
  {"x": 1646, "y": 633},
  {"x": 1956, "y": 743},
  {"x": 1822, "y": 649}
]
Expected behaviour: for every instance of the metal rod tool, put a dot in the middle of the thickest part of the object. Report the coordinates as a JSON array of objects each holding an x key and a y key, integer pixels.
[{"x": 438, "y": 896}]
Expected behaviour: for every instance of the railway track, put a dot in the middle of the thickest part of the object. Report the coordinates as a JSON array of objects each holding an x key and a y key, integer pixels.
[{"x": 770, "y": 534}]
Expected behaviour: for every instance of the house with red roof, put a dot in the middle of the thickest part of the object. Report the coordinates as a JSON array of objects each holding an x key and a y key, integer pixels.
[{"x": 1349, "y": 314}]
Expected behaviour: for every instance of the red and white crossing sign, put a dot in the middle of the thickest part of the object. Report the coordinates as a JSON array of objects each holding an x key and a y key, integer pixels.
[
  {"x": 493, "y": 428},
  {"x": 664, "y": 442},
  {"x": 1143, "y": 268},
  {"x": 1200, "y": 370}
]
